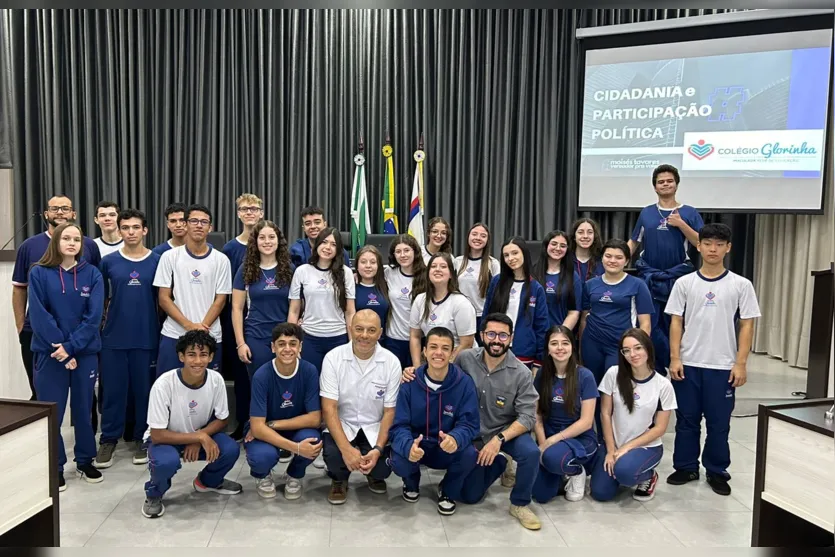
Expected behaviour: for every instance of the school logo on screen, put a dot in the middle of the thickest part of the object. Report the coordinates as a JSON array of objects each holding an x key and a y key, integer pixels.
[
  {"x": 700, "y": 150},
  {"x": 134, "y": 279},
  {"x": 372, "y": 300},
  {"x": 287, "y": 399}
]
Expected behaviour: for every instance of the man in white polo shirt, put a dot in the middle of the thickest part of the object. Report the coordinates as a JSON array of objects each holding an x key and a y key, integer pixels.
[
  {"x": 359, "y": 385},
  {"x": 194, "y": 281}
]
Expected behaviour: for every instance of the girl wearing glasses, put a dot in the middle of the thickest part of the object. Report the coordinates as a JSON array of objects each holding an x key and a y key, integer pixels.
[
  {"x": 66, "y": 298},
  {"x": 476, "y": 267},
  {"x": 563, "y": 286},
  {"x": 564, "y": 419},
  {"x": 521, "y": 298},
  {"x": 327, "y": 286},
  {"x": 440, "y": 238},
  {"x": 442, "y": 305},
  {"x": 586, "y": 245},
  {"x": 405, "y": 279},
  {"x": 262, "y": 285},
  {"x": 372, "y": 290},
  {"x": 636, "y": 403}
]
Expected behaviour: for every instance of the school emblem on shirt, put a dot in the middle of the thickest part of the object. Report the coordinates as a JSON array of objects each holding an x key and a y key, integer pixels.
[
  {"x": 637, "y": 396},
  {"x": 85, "y": 291},
  {"x": 607, "y": 297},
  {"x": 322, "y": 283},
  {"x": 532, "y": 301},
  {"x": 549, "y": 287},
  {"x": 433, "y": 317},
  {"x": 270, "y": 283},
  {"x": 195, "y": 277},
  {"x": 404, "y": 293},
  {"x": 470, "y": 270},
  {"x": 134, "y": 279},
  {"x": 514, "y": 291},
  {"x": 449, "y": 409},
  {"x": 380, "y": 394},
  {"x": 710, "y": 299},
  {"x": 500, "y": 401},
  {"x": 192, "y": 407},
  {"x": 287, "y": 398},
  {"x": 662, "y": 225},
  {"x": 372, "y": 300},
  {"x": 558, "y": 395}
]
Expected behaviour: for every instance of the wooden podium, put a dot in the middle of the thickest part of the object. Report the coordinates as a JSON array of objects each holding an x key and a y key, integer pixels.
[
  {"x": 820, "y": 333},
  {"x": 28, "y": 480}
]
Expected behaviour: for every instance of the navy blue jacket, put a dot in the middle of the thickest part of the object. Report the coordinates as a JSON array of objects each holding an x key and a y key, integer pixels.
[
  {"x": 453, "y": 409},
  {"x": 532, "y": 321},
  {"x": 65, "y": 307},
  {"x": 660, "y": 282}
]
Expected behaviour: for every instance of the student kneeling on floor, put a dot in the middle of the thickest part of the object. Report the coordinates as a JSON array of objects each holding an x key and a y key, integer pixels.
[{"x": 187, "y": 414}]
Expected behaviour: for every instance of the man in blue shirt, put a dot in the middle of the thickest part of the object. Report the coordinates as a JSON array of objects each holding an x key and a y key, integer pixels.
[
  {"x": 129, "y": 337},
  {"x": 285, "y": 414},
  {"x": 664, "y": 230},
  {"x": 313, "y": 222},
  {"x": 58, "y": 211}
]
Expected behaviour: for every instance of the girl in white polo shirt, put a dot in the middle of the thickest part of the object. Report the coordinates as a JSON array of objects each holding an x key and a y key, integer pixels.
[
  {"x": 636, "y": 404},
  {"x": 476, "y": 267},
  {"x": 406, "y": 278},
  {"x": 328, "y": 290},
  {"x": 442, "y": 305}
]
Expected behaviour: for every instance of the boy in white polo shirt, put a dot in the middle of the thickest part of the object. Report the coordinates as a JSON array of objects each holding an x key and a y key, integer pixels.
[
  {"x": 194, "y": 281},
  {"x": 359, "y": 385},
  {"x": 707, "y": 362}
]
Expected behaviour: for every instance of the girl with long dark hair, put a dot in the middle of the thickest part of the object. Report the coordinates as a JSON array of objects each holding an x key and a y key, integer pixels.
[
  {"x": 405, "y": 278},
  {"x": 440, "y": 238},
  {"x": 328, "y": 288},
  {"x": 372, "y": 290},
  {"x": 586, "y": 245},
  {"x": 564, "y": 419},
  {"x": 636, "y": 402},
  {"x": 515, "y": 293},
  {"x": 476, "y": 268},
  {"x": 262, "y": 286},
  {"x": 563, "y": 286}
]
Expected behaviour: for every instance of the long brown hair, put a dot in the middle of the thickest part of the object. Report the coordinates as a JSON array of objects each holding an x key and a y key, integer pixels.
[
  {"x": 380, "y": 277},
  {"x": 596, "y": 248},
  {"x": 337, "y": 267},
  {"x": 626, "y": 387},
  {"x": 418, "y": 266},
  {"x": 484, "y": 274},
  {"x": 52, "y": 257},
  {"x": 452, "y": 285},
  {"x": 252, "y": 258},
  {"x": 446, "y": 247},
  {"x": 548, "y": 375}
]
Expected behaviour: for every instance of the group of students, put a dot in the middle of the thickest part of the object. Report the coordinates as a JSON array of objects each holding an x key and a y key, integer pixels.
[{"x": 302, "y": 319}]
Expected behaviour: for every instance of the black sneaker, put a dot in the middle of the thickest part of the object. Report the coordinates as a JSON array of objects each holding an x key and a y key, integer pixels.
[
  {"x": 62, "y": 485},
  {"x": 89, "y": 473},
  {"x": 646, "y": 489},
  {"x": 681, "y": 477},
  {"x": 410, "y": 495},
  {"x": 446, "y": 506},
  {"x": 719, "y": 484},
  {"x": 238, "y": 434}
]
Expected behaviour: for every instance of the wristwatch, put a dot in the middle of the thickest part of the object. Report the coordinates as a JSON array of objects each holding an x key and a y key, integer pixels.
[
  {"x": 500, "y": 437},
  {"x": 379, "y": 449}
]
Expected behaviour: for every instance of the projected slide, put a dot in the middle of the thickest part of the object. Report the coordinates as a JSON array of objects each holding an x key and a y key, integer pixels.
[{"x": 744, "y": 119}]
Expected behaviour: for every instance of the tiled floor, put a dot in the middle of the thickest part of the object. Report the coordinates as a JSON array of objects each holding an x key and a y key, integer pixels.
[{"x": 108, "y": 514}]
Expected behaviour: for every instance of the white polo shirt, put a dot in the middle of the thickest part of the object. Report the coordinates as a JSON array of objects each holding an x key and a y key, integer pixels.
[
  {"x": 400, "y": 298},
  {"x": 322, "y": 315},
  {"x": 468, "y": 279},
  {"x": 361, "y": 395},
  {"x": 455, "y": 312}
]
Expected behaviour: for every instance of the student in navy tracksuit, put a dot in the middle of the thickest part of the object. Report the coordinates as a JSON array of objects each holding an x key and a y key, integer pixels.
[
  {"x": 665, "y": 230},
  {"x": 313, "y": 222},
  {"x": 586, "y": 245},
  {"x": 564, "y": 420},
  {"x": 521, "y": 298},
  {"x": 612, "y": 304},
  {"x": 563, "y": 286},
  {"x": 372, "y": 289},
  {"x": 66, "y": 299},
  {"x": 435, "y": 422},
  {"x": 129, "y": 337}
]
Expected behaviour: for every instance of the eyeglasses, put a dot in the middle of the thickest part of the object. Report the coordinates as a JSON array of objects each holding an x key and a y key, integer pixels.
[
  {"x": 635, "y": 349},
  {"x": 249, "y": 209},
  {"x": 493, "y": 335},
  {"x": 64, "y": 209},
  {"x": 437, "y": 232},
  {"x": 201, "y": 222}
]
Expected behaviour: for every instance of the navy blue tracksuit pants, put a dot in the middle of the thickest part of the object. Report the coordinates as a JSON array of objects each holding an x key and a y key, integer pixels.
[
  {"x": 660, "y": 335},
  {"x": 524, "y": 451},
  {"x": 598, "y": 357},
  {"x": 315, "y": 348},
  {"x": 636, "y": 466},
  {"x": 559, "y": 460},
  {"x": 123, "y": 372},
  {"x": 457, "y": 465},
  {"x": 54, "y": 383},
  {"x": 703, "y": 392},
  {"x": 164, "y": 462},
  {"x": 262, "y": 456}
]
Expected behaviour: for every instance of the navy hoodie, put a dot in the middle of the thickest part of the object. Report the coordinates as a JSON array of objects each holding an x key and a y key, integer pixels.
[
  {"x": 453, "y": 409},
  {"x": 65, "y": 307},
  {"x": 300, "y": 253},
  {"x": 532, "y": 321}
]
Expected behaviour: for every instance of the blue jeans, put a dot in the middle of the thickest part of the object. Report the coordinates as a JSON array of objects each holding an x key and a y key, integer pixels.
[
  {"x": 457, "y": 465},
  {"x": 168, "y": 359},
  {"x": 636, "y": 466},
  {"x": 559, "y": 460},
  {"x": 703, "y": 392},
  {"x": 524, "y": 451},
  {"x": 262, "y": 456},
  {"x": 125, "y": 376},
  {"x": 164, "y": 461},
  {"x": 315, "y": 348}
]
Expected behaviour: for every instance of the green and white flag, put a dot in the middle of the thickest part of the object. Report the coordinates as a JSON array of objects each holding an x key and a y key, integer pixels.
[{"x": 360, "y": 220}]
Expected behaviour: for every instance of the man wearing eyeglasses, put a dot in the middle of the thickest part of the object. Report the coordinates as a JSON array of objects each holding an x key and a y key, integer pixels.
[
  {"x": 175, "y": 220},
  {"x": 194, "y": 281},
  {"x": 59, "y": 210},
  {"x": 250, "y": 211},
  {"x": 507, "y": 412}
]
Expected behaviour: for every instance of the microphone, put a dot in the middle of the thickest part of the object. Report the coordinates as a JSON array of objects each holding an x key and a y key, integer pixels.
[{"x": 35, "y": 214}]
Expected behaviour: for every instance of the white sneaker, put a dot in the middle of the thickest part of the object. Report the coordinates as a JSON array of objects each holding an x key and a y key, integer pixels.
[
  {"x": 575, "y": 489},
  {"x": 292, "y": 489},
  {"x": 319, "y": 463},
  {"x": 265, "y": 487}
]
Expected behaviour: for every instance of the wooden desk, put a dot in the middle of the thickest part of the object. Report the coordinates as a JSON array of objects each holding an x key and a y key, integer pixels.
[
  {"x": 28, "y": 481},
  {"x": 794, "y": 482}
]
